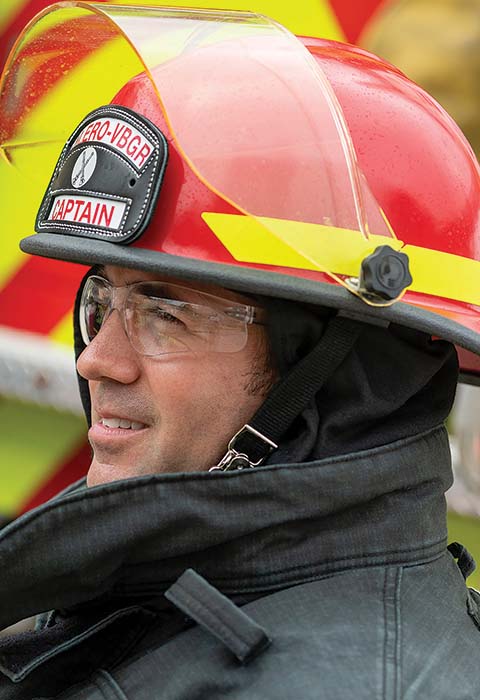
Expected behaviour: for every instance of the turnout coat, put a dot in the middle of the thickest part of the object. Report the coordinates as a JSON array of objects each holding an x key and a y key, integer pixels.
[{"x": 323, "y": 580}]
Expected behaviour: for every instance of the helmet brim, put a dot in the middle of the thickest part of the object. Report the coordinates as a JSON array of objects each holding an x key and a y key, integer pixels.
[{"x": 245, "y": 279}]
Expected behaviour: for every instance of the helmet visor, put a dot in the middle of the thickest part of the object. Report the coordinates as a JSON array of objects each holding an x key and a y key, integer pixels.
[{"x": 247, "y": 105}]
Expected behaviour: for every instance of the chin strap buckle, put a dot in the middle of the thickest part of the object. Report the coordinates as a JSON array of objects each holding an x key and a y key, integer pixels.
[{"x": 246, "y": 441}]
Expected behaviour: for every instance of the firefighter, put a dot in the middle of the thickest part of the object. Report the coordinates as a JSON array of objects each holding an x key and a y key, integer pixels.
[{"x": 266, "y": 339}]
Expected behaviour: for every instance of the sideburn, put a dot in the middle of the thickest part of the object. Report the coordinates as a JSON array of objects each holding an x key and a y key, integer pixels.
[{"x": 263, "y": 374}]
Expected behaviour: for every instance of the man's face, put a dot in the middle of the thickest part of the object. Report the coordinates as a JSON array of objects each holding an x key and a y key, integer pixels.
[{"x": 181, "y": 409}]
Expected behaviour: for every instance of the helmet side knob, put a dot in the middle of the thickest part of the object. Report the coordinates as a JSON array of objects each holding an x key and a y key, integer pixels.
[{"x": 384, "y": 274}]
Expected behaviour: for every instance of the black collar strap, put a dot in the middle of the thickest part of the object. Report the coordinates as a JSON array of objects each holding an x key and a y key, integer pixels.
[{"x": 261, "y": 436}]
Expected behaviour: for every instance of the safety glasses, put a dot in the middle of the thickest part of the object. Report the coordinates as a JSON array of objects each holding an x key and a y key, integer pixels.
[{"x": 160, "y": 318}]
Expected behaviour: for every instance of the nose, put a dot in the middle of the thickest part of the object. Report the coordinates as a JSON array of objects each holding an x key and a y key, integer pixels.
[{"x": 110, "y": 354}]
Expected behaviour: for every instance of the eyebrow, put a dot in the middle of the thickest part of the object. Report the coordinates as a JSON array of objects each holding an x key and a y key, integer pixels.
[
  {"x": 156, "y": 289},
  {"x": 164, "y": 290}
]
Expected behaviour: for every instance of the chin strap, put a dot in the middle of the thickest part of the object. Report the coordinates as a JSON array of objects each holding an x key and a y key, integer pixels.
[{"x": 251, "y": 446}]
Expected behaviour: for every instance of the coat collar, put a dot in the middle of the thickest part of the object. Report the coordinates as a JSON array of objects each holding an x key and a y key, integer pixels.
[{"x": 246, "y": 532}]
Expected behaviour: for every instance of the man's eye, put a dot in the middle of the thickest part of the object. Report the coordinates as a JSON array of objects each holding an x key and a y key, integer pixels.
[
  {"x": 161, "y": 314},
  {"x": 100, "y": 314},
  {"x": 96, "y": 314}
]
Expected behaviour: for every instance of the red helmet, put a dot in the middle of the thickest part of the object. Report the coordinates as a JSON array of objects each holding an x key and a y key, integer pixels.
[{"x": 301, "y": 169}]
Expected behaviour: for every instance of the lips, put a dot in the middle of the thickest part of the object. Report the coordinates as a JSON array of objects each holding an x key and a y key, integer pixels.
[
  {"x": 108, "y": 431},
  {"x": 117, "y": 421}
]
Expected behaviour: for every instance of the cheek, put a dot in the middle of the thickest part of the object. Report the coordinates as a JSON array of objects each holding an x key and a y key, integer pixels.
[
  {"x": 199, "y": 404},
  {"x": 191, "y": 390},
  {"x": 188, "y": 379}
]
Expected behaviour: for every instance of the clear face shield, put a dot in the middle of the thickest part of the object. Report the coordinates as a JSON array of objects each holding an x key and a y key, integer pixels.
[{"x": 248, "y": 107}]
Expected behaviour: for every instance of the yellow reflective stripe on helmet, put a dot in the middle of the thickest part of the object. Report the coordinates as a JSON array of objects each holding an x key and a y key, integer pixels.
[
  {"x": 294, "y": 243},
  {"x": 444, "y": 274},
  {"x": 340, "y": 251}
]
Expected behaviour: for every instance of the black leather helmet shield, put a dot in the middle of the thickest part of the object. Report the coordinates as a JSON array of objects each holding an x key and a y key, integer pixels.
[{"x": 108, "y": 178}]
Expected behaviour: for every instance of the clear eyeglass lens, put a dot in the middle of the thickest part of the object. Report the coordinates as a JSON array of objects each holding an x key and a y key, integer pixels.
[
  {"x": 159, "y": 326},
  {"x": 94, "y": 307}
]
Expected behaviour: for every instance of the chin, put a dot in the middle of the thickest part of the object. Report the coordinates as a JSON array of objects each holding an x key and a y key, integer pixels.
[{"x": 104, "y": 473}]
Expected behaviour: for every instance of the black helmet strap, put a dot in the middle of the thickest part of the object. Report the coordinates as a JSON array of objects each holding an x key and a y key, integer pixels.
[{"x": 261, "y": 436}]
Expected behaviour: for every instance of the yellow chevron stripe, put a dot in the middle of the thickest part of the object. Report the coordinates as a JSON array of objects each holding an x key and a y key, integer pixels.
[
  {"x": 50, "y": 116},
  {"x": 323, "y": 22},
  {"x": 21, "y": 193},
  {"x": 340, "y": 251},
  {"x": 28, "y": 463},
  {"x": 11, "y": 186},
  {"x": 308, "y": 17},
  {"x": 63, "y": 331},
  {"x": 8, "y": 9}
]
